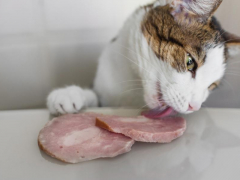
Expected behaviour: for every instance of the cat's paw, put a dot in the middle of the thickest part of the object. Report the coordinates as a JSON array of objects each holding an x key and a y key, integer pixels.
[{"x": 65, "y": 100}]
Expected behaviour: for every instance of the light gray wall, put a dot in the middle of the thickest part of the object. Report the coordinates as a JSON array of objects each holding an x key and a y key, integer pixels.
[{"x": 47, "y": 44}]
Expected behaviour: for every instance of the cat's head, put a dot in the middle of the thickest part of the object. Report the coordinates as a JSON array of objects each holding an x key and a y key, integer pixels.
[{"x": 187, "y": 52}]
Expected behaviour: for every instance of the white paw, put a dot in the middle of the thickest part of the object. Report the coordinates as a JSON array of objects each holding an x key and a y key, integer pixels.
[{"x": 65, "y": 100}]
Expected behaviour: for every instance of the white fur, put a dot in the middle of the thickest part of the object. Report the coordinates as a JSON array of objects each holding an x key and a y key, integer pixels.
[{"x": 128, "y": 74}]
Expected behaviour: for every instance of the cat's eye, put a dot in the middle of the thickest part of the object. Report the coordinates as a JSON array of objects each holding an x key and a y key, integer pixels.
[{"x": 191, "y": 65}]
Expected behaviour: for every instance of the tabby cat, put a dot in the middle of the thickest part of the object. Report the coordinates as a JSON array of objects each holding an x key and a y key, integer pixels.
[{"x": 168, "y": 56}]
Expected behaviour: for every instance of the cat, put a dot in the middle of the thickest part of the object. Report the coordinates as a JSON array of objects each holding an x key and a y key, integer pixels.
[{"x": 169, "y": 54}]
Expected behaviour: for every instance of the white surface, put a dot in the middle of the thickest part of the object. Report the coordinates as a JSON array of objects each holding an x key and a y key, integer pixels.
[
  {"x": 46, "y": 44},
  {"x": 209, "y": 150}
]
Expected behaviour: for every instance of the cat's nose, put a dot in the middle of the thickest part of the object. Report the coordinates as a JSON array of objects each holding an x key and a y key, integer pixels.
[{"x": 193, "y": 106}]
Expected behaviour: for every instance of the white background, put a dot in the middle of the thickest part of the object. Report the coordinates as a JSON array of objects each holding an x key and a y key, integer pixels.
[{"x": 46, "y": 44}]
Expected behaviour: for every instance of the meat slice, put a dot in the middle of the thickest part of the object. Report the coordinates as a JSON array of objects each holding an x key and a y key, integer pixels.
[
  {"x": 75, "y": 138},
  {"x": 144, "y": 129}
]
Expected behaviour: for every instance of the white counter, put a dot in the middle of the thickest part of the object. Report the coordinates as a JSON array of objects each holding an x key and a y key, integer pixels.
[{"x": 209, "y": 150}]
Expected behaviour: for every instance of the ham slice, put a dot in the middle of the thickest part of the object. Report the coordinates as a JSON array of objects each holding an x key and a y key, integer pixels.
[
  {"x": 143, "y": 129},
  {"x": 75, "y": 138}
]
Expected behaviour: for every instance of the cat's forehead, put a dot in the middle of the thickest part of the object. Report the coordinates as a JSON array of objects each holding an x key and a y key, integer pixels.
[{"x": 170, "y": 41}]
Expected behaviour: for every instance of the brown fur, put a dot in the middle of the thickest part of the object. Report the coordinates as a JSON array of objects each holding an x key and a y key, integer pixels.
[{"x": 171, "y": 42}]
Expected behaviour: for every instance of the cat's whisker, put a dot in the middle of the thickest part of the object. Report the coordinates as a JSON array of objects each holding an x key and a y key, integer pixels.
[
  {"x": 234, "y": 69},
  {"x": 232, "y": 74},
  {"x": 131, "y": 90},
  {"x": 133, "y": 51},
  {"x": 147, "y": 61},
  {"x": 224, "y": 80},
  {"x": 140, "y": 108},
  {"x": 230, "y": 40},
  {"x": 131, "y": 81},
  {"x": 134, "y": 63},
  {"x": 137, "y": 83},
  {"x": 219, "y": 36},
  {"x": 229, "y": 64},
  {"x": 234, "y": 93},
  {"x": 133, "y": 84},
  {"x": 144, "y": 106}
]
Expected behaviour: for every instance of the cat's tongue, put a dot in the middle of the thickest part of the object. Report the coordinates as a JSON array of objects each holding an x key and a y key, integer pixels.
[{"x": 155, "y": 114}]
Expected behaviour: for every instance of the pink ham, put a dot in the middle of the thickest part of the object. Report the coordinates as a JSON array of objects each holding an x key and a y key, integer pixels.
[
  {"x": 75, "y": 138},
  {"x": 143, "y": 129}
]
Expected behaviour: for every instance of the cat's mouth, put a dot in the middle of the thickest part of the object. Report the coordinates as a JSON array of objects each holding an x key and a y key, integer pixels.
[
  {"x": 163, "y": 111},
  {"x": 159, "y": 113}
]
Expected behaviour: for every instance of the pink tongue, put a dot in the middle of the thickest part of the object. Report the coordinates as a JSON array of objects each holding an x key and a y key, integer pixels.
[{"x": 155, "y": 114}]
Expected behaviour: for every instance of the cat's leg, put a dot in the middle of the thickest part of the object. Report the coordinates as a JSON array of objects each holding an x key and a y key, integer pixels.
[{"x": 70, "y": 100}]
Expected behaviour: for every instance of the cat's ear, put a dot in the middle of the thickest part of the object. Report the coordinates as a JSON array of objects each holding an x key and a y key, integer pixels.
[
  {"x": 198, "y": 10},
  {"x": 233, "y": 43}
]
